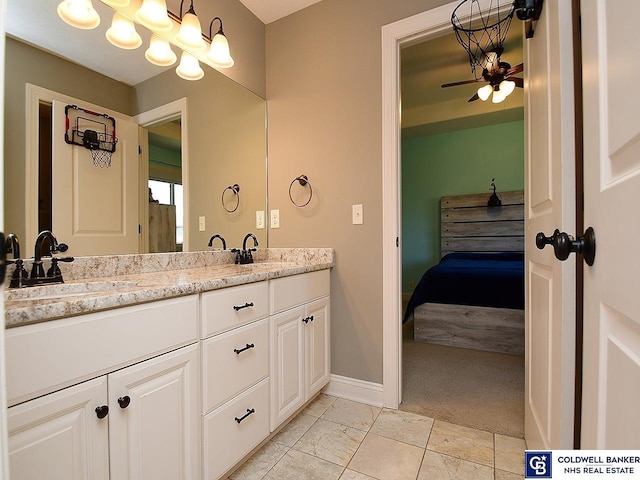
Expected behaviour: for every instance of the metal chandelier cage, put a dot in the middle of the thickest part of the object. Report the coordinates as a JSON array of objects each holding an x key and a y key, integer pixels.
[{"x": 481, "y": 31}]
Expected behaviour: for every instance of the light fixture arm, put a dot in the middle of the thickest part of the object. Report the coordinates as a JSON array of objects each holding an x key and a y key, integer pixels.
[
  {"x": 211, "y": 25},
  {"x": 191, "y": 9}
]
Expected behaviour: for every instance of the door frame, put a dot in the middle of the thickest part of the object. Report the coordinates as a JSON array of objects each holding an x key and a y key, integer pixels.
[
  {"x": 162, "y": 114},
  {"x": 413, "y": 29}
]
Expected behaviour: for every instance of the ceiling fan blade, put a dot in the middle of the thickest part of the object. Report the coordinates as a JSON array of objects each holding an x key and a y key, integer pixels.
[
  {"x": 514, "y": 70},
  {"x": 464, "y": 82},
  {"x": 518, "y": 81},
  {"x": 474, "y": 98}
]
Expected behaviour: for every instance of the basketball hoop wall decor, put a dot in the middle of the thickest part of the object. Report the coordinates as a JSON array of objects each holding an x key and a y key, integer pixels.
[{"x": 94, "y": 131}]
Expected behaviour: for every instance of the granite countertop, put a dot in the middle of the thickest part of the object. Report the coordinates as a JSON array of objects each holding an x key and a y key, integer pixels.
[{"x": 103, "y": 283}]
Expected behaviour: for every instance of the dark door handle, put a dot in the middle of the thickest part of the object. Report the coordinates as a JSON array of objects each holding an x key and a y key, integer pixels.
[{"x": 563, "y": 244}]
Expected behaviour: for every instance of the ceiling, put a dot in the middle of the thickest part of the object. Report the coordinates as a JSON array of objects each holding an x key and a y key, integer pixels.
[{"x": 424, "y": 66}]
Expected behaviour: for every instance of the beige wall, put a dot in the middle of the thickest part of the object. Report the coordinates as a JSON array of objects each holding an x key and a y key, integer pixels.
[
  {"x": 324, "y": 93},
  {"x": 227, "y": 145}
]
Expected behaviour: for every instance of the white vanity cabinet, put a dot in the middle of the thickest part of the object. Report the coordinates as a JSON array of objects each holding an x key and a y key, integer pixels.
[
  {"x": 299, "y": 328},
  {"x": 235, "y": 374},
  {"x": 119, "y": 395}
]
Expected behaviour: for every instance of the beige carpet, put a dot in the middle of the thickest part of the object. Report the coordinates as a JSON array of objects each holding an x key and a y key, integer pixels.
[{"x": 477, "y": 389}]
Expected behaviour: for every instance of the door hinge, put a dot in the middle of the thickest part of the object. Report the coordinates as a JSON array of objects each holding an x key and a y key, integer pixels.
[
  {"x": 139, "y": 150},
  {"x": 397, "y": 241},
  {"x": 139, "y": 229}
]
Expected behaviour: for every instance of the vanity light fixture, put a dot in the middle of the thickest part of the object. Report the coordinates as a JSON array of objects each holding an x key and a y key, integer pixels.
[
  {"x": 189, "y": 36},
  {"x": 123, "y": 33},
  {"x": 159, "y": 52},
  {"x": 79, "y": 14},
  {"x": 189, "y": 68},
  {"x": 219, "y": 53},
  {"x": 153, "y": 15}
]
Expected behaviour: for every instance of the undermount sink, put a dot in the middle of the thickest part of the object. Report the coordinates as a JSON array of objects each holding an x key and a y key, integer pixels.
[{"x": 66, "y": 290}]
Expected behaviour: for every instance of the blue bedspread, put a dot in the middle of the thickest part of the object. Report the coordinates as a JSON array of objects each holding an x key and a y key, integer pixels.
[{"x": 478, "y": 279}]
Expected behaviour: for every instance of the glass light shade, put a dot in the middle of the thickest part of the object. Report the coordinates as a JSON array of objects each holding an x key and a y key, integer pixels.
[
  {"x": 485, "y": 92},
  {"x": 190, "y": 35},
  {"x": 159, "y": 52},
  {"x": 123, "y": 33},
  {"x": 498, "y": 96},
  {"x": 219, "y": 53},
  {"x": 507, "y": 86},
  {"x": 116, "y": 3},
  {"x": 153, "y": 15},
  {"x": 79, "y": 14},
  {"x": 189, "y": 67}
]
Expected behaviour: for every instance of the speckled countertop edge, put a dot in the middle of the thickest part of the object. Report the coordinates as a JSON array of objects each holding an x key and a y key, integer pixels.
[{"x": 135, "y": 279}]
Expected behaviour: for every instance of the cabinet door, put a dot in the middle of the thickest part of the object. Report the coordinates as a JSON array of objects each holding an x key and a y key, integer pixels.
[
  {"x": 317, "y": 352},
  {"x": 154, "y": 418},
  {"x": 59, "y": 436},
  {"x": 287, "y": 364}
]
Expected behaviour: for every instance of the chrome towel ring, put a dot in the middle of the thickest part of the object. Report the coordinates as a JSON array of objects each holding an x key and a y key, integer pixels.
[
  {"x": 304, "y": 182},
  {"x": 235, "y": 188}
]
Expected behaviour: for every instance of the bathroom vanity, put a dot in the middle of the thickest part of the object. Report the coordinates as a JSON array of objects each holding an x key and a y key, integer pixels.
[{"x": 164, "y": 372}]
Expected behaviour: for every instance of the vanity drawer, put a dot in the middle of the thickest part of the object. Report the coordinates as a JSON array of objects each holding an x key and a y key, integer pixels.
[
  {"x": 233, "y": 307},
  {"x": 225, "y": 440},
  {"x": 288, "y": 292},
  {"x": 227, "y": 372}
]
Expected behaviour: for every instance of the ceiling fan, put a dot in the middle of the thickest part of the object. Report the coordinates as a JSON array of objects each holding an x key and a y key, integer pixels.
[{"x": 500, "y": 81}]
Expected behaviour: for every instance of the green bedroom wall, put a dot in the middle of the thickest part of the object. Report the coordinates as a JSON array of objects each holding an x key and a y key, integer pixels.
[{"x": 452, "y": 163}]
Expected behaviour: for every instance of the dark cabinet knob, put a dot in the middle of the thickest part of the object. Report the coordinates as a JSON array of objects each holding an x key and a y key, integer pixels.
[
  {"x": 124, "y": 401},
  {"x": 102, "y": 411}
]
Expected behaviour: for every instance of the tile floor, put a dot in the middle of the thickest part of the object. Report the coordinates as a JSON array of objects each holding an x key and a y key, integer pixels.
[{"x": 336, "y": 439}]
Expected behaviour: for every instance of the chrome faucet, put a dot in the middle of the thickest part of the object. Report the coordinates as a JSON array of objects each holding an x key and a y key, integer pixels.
[
  {"x": 12, "y": 245},
  {"x": 37, "y": 271},
  {"x": 213, "y": 237}
]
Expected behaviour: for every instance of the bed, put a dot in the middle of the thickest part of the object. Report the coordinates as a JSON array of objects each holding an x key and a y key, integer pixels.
[{"x": 474, "y": 298}]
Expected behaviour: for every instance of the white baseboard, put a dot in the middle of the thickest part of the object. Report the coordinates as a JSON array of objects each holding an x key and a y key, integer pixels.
[{"x": 356, "y": 390}]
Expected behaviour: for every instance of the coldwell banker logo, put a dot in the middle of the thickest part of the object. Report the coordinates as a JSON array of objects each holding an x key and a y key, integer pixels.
[{"x": 538, "y": 464}]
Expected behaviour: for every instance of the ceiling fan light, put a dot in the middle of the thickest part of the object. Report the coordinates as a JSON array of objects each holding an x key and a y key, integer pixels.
[
  {"x": 219, "y": 54},
  {"x": 498, "y": 96},
  {"x": 153, "y": 15},
  {"x": 79, "y": 14},
  {"x": 159, "y": 52},
  {"x": 485, "y": 92},
  {"x": 122, "y": 33},
  {"x": 190, "y": 35},
  {"x": 507, "y": 86},
  {"x": 189, "y": 68}
]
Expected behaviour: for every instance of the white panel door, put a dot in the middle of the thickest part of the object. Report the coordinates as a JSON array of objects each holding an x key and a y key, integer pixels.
[
  {"x": 154, "y": 418},
  {"x": 287, "y": 364},
  {"x": 59, "y": 436},
  {"x": 550, "y": 204},
  {"x": 95, "y": 209},
  {"x": 611, "y": 384},
  {"x": 317, "y": 352}
]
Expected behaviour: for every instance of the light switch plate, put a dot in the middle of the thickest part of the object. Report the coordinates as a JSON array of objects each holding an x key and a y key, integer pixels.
[
  {"x": 201, "y": 224},
  {"x": 260, "y": 219},
  {"x": 357, "y": 217},
  {"x": 275, "y": 218}
]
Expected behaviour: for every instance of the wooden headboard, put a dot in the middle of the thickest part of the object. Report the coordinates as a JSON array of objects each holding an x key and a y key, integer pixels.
[{"x": 467, "y": 224}]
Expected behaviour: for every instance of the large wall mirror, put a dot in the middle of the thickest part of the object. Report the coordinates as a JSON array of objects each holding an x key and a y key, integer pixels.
[{"x": 198, "y": 138}]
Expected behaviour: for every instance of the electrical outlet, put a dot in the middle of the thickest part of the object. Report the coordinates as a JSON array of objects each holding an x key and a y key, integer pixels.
[
  {"x": 260, "y": 219},
  {"x": 357, "y": 217},
  {"x": 275, "y": 218},
  {"x": 201, "y": 224}
]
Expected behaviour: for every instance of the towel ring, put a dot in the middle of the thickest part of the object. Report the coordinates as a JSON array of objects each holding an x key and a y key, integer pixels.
[
  {"x": 235, "y": 188},
  {"x": 303, "y": 181}
]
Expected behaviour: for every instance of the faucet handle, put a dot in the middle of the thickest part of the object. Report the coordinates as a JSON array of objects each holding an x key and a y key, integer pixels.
[
  {"x": 54, "y": 270},
  {"x": 60, "y": 248}
]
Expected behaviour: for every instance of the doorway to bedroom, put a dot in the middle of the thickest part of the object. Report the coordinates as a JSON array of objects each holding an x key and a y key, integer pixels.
[{"x": 455, "y": 148}]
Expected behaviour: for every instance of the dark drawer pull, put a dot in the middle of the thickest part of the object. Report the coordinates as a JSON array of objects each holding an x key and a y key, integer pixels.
[
  {"x": 239, "y": 351},
  {"x": 249, "y": 412},
  {"x": 308, "y": 319},
  {"x": 124, "y": 401},
  {"x": 246, "y": 305}
]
